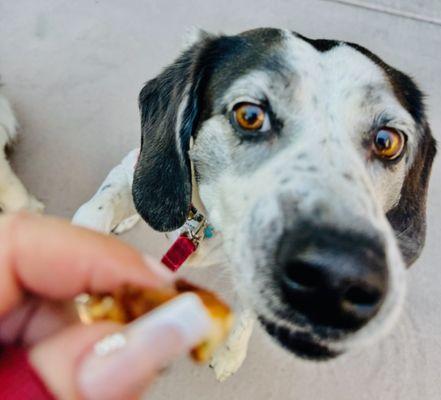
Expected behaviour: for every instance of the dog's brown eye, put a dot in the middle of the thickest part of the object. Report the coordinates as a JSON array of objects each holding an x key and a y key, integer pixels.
[
  {"x": 388, "y": 143},
  {"x": 249, "y": 116}
]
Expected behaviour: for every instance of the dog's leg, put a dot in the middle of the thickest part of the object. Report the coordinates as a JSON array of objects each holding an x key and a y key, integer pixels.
[
  {"x": 228, "y": 359},
  {"x": 13, "y": 194},
  {"x": 111, "y": 209}
]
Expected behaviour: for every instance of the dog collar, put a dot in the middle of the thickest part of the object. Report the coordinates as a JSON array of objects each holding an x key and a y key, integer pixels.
[{"x": 195, "y": 229}]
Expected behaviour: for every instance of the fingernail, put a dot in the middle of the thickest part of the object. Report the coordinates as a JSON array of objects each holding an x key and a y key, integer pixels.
[
  {"x": 159, "y": 269},
  {"x": 121, "y": 363}
]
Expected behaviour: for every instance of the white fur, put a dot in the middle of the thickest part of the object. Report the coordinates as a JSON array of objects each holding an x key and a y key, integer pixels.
[
  {"x": 13, "y": 194},
  {"x": 180, "y": 115},
  {"x": 230, "y": 357},
  {"x": 192, "y": 35}
]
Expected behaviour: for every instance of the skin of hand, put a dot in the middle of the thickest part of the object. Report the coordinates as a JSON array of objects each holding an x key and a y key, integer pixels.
[{"x": 44, "y": 263}]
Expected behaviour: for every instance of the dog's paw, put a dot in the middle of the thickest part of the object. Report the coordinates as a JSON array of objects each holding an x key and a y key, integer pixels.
[
  {"x": 95, "y": 216},
  {"x": 20, "y": 201},
  {"x": 126, "y": 224},
  {"x": 35, "y": 205},
  {"x": 227, "y": 361},
  {"x": 7, "y": 120},
  {"x": 100, "y": 216}
]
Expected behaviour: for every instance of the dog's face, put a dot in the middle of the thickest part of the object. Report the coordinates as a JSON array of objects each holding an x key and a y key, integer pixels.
[{"x": 312, "y": 159}]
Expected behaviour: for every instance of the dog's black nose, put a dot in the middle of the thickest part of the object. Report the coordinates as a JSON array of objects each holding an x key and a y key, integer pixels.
[{"x": 334, "y": 279}]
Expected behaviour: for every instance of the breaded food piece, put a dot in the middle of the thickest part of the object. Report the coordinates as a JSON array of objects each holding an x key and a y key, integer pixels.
[{"x": 128, "y": 303}]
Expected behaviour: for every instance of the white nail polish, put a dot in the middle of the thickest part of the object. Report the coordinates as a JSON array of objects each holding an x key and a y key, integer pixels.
[
  {"x": 187, "y": 314},
  {"x": 145, "y": 346},
  {"x": 110, "y": 344}
]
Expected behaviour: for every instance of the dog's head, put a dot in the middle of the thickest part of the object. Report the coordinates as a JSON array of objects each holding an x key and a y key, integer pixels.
[{"x": 312, "y": 158}]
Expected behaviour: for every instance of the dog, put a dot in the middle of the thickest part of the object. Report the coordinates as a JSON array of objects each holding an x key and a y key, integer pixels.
[
  {"x": 13, "y": 194},
  {"x": 311, "y": 158}
]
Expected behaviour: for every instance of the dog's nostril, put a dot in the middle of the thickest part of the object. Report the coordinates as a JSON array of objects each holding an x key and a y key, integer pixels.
[
  {"x": 302, "y": 275},
  {"x": 360, "y": 303},
  {"x": 359, "y": 296}
]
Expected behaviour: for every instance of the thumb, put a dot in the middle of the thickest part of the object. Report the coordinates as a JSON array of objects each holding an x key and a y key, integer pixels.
[{"x": 111, "y": 362}]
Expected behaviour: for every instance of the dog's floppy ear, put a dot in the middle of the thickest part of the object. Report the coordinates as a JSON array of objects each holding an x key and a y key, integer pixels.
[
  {"x": 408, "y": 218},
  {"x": 169, "y": 107}
]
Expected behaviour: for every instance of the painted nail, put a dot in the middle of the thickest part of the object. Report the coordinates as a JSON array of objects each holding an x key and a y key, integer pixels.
[{"x": 123, "y": 362}]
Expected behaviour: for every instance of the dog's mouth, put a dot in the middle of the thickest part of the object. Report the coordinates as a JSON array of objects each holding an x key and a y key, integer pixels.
[{"x": 302, "y": 344}]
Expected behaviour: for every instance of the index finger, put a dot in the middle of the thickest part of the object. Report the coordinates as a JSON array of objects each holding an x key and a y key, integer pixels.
[{"x": 53, "y": 259}]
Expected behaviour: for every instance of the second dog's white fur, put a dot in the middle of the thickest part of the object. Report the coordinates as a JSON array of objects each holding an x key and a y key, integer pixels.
[{"x": 13, "y": 194}]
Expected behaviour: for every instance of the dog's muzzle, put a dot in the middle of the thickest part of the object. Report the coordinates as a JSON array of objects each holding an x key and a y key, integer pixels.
[
  {"x": 330, "y": 282},
  {"x": 329, "y": 277},
  {"x": 335, "y": 279}
]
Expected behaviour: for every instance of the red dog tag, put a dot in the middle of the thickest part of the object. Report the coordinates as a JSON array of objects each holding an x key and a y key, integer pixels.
[{"x": 180, "y": 250}]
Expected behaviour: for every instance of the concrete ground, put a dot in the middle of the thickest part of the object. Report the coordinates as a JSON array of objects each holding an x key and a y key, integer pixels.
[{"x": 73, "y": 70}]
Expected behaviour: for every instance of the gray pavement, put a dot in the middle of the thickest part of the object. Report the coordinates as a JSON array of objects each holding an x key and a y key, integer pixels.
[{"x": 73, "y": 70}]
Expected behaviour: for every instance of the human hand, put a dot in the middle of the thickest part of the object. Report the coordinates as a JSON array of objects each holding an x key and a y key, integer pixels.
[{"x": 44, "y": 264}]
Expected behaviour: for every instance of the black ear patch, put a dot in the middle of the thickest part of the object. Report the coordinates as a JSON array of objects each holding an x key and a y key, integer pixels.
[
  {"x": 408, "y": 218},
  {"x": 171, "y": 112},
  {"x": 169, "y": 106}
]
